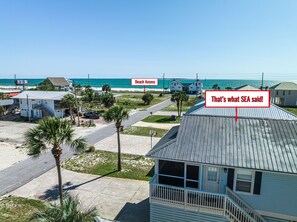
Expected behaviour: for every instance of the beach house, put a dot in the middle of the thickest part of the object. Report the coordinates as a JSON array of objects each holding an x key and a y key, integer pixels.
[
  {"x": 55, "y": 83},
  {"x": 38, "y": 104},
  {"x": 284, "y": 94},
  {"x": 192, "y": 88},
  {"x": 212, "y": 168}
]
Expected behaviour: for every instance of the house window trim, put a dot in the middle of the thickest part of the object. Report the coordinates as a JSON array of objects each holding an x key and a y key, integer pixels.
[{"x": 252, "y": 185}]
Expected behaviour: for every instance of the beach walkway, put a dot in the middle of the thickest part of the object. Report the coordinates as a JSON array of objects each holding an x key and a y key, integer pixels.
[{"x": 21, "y": 173}]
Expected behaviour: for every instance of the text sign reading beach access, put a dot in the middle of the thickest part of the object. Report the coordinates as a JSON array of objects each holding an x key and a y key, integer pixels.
[
  {"x": 237, "y": 98},
  {"x": 144, "y": 82}
]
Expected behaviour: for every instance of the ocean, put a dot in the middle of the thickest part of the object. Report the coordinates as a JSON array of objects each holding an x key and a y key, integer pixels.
[{"x": 126, "y": 83}]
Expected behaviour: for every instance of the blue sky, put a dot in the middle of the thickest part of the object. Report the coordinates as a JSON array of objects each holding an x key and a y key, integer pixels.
[{"x": 218, "y": 39}]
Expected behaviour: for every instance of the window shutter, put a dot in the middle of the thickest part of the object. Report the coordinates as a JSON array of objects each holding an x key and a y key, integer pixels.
[
  {"x": 258, "y": 180},
  {"x": 230, "y": 178}
]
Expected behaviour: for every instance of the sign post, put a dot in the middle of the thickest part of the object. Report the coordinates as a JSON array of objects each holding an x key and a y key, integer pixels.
[
  {"x": 144, "y": 82},
  {"x": 237, "y": 99}
]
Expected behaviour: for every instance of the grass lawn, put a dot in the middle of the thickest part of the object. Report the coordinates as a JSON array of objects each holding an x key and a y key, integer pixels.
[
  {"x": 291, "y": 109},
  {"x": 143, "y": 131},
  {"x": 18, "y": 209},
  {"x": 134, "y": 100},
  {"x": 105, "y": 163},
  {"x": 161, "y": 119},
  {"x": 186, "y": 105}
]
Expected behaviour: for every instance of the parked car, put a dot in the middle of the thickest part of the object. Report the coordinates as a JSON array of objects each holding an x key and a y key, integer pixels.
[{"x": 92, "y": 114}]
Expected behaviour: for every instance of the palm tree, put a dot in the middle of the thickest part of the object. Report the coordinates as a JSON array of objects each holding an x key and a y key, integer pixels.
[
  {"x": 69, "y": 102},
  {"x": 52, "y": 133},
  {"x": 2, "y": 96},
  {"x": 183, "y": 98},
  {"x": 216, "y": 87},
  {"x": 117, "y": 114},
  {"x": 66, "y": 212},
  {"x": 106, "y": 88}
]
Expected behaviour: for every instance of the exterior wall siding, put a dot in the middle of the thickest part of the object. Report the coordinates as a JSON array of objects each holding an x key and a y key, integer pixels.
[
  {"x": 160, "y": 213},
  {"x": 49, "y": 104},
  {"x": 278, "y": 194},
  {"x": 289, "y": 99}
]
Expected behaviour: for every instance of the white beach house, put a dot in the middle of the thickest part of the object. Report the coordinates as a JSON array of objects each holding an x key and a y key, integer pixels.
[
  {"x": 192, "y": 88},
  {"x": 38, "y": 104}
]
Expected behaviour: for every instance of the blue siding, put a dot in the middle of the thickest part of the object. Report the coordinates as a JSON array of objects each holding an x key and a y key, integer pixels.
[
  {"x": 160, "y": 213},
  {"x": 278, "y": 194}
]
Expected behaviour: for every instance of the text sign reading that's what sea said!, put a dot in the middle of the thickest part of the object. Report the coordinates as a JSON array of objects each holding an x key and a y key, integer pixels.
[
  {"x": 144, "y": 82},
  {"x": 237, "y": 98}
]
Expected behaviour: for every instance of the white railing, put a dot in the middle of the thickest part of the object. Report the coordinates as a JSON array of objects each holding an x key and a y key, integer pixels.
[
  {"x": 200, "y": 201},
  {"x": 247, "y": 208}
]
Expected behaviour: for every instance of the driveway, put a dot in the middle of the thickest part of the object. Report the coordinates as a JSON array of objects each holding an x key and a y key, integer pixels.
[{"x": 122, "y": 199}]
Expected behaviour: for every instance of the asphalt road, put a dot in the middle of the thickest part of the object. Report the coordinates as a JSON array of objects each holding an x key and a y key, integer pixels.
[{"x": 21, "y": 173}]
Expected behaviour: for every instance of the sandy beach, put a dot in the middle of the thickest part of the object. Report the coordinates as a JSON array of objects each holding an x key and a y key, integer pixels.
[{"x": 95, "y": 88}]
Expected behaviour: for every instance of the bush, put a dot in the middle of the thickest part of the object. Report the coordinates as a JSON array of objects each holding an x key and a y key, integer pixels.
[
  {"x": 91, "y": 149},
  {"x": 147, "y": 98},
  {"x": 161, "y": 95},
  {"x": 107, "y": 99}
]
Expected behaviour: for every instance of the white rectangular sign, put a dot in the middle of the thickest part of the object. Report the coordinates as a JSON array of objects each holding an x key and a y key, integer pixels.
[
  {"x": 144, "y": 82},
  {"x": 237, "y": 98}
]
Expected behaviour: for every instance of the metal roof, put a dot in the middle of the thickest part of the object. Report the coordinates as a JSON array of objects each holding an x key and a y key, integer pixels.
[
  {"x": 260, "y": 144},
  {"x": 246, "y": 87},
  {"x": 284, "y": 86},
  {"x": 45, "y": 95},
  {"x": 58, "y": 81},
  {"x": 274, "y": 112}
]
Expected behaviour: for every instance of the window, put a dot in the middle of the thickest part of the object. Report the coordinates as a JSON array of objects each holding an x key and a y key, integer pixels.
[
  {"x": 192, "y": 176},
  {"x": 277, "y": 92},
  {"x": 284, "y": 92},
  {"x": 289, "y": 92},
  {"x": 171, "y": 173},
  {"x": 244, "y": 181},
  {"x": 212, "y": 174}
]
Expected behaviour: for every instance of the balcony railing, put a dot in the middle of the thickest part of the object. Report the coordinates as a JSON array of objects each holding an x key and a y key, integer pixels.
[{"x": 200, "y": 201}]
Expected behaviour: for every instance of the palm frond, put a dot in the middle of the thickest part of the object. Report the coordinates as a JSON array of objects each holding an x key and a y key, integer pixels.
[
  {"x": 79, "y": 144},
  {"x": 69, "y": 211}
]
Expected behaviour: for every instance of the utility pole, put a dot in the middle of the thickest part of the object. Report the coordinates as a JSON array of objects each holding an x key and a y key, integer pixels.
[
  {"x": 262, "y": 81},
  {"x": 88, "y": 79},
  {"x": 77, "y": 107},
  {"x": 163, "y": 83},
  {"x": 15, "y": 81}
]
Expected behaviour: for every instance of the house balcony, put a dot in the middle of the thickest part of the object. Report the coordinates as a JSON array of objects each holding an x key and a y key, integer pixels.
[{"x": 228, "y": 205}]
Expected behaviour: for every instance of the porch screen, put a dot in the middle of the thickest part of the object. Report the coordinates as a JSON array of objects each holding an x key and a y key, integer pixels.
[
  {"x": 192, "y": 176},
  {"x": 171, "y": 173}
]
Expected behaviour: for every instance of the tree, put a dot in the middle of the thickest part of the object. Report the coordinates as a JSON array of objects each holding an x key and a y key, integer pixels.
[
  {"x": 66, "y": 212},
  {"x": 2, "y": 96},
  {"x": 2, "y": 110},
  {"x": 69, "y": 102},
  {"x": 216, "y": 87},
  {"x": 228, "y": 88},
  {"x": 88, "y": 94},
  {"x": 107, "y": 99},
  {"x": 117, "y": 114},
  {"x": 147, "y": 98},
  {"x": 183, "y": 98},
  {"x": 106, "y": 88},
  {"x": 179, "y": 97},
  {"x": 52, "y": 133}
]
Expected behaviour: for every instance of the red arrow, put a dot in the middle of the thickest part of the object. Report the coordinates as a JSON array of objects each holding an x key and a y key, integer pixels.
[{"x": 236, "y": 114}]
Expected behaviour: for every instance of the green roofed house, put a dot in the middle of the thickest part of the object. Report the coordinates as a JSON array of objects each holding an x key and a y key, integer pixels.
[
  {"x": 284, "y": 94},
  {"x": 214, "y": 169},
  {"x": 55, "y": 83}
]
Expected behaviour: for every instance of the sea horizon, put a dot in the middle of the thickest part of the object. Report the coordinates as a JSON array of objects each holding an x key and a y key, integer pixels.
[{"x": 126, "y": 82}]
